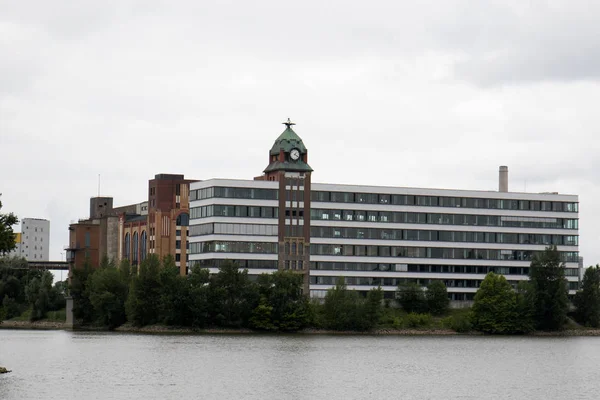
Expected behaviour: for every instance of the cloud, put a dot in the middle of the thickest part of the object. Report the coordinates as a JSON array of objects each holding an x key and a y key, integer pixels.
[{"x": 422, "y": 94}]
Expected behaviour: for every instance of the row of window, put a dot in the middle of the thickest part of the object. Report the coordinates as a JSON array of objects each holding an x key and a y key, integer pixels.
[
  {"x": 442, "y": 219},
  {"x": 395, "y": 199},
  {"x": 135, "y": 249},
  {"x": 442, "y": 236},
  {"x": 443, "y": 201},
  {"x": 376, "y": 281},
  {"x": 391, "y": 234},
  {"x": 233, "y": 229},
  {"x": 378, "y": 251},
  {"x": 430, "y": 252},
  {"x": 391, "y": 216},
  {"x": 249, "y": 264},
  {"x": 233, "y": 247},
  {"x": 233, "y": 211},
  {"x": 234, "y": 193},
  {"x": 427, "y": 268}
]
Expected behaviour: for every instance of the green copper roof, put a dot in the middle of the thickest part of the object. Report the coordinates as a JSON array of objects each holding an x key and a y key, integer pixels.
[
  {"x": 297, "y": 166},
  {"x": 287, "y": 141}
]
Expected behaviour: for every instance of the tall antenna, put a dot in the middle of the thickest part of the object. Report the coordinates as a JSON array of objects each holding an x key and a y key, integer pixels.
[{"x": 98, "y": 185}]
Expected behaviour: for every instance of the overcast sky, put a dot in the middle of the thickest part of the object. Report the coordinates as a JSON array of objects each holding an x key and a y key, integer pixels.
[{"x": 385, "y": 92}]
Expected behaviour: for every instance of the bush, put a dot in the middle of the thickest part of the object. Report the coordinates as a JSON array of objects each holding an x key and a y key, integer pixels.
[
  {"x": 414, "y": 320},
  {"x": 460, "y": 323}
]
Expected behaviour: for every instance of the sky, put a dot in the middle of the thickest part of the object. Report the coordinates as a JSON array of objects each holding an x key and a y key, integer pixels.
[{"x": 386, "y": 92}]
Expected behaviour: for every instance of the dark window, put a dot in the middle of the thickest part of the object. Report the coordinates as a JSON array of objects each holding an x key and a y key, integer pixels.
[{"x": 183, "y": 219}]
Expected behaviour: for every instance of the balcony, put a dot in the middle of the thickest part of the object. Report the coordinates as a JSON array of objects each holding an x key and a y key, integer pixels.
[{"x": 72, "y": 247}]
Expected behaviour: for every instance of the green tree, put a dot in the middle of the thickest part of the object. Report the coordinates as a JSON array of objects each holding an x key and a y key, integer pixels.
[
  {"x": 262, "y": 316},
  {"x": 549, "y": 288},
  {"x": 524, "y": 321},
  {"x": 7, "y": 236},
  {"x": 83, "y": 311},
  {"x": 232, "y": 296},
  {"x": 175, "y": 295},
  {"x": 412, "y": 298},
  {"x": 144, "y": 298},
  {"x": 343, "y": 309},
  {"x": 374, "y": 307},
  {"x": 281, "y": 293},
  {"x": 494, "y": 306},
  {"x": 38, "y": 295},
  {"x": 437, "y": 298},
  {"x": 587, "y": 300},
  {"x": 108, "y": 293},
  {"x": 198, "y": 305}
]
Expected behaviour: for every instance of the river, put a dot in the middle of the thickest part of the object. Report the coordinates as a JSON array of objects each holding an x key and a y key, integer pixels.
[{"x": 81, "y": 365}]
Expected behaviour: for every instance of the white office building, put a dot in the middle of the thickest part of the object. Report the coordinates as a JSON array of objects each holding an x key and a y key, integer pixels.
[{"x": 375, "y": 235}]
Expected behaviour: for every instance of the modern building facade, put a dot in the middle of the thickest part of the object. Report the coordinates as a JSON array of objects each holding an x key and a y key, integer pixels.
[
  {"x": 375, "y": 235},
  {"x": 33, "y": 242}
]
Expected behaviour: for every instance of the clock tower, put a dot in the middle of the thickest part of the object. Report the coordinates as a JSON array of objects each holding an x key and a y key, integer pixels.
[{"x": 288, "y": 165}]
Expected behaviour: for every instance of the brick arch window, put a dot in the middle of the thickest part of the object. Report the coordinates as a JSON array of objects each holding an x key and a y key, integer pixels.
[
  {"x": 134, "y": 254},
  {"x": 127, "y": 246},
  {"x": 143, "y": 245},
  {"x": 183, "y": 219}
]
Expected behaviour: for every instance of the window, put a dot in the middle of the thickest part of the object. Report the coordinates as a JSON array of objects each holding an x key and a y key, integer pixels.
[
  {"x": 177, "y": 257},
  {"x": 126, "y": 246},
  {"x": 143, "y": 245},
  {"x": 87, "y": 239},
  {"x": 135, "y": 249},
  {"x": 183, "y": 219}
]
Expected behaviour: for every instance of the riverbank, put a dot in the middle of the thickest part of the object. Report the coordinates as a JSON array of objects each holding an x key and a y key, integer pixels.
[{"x": 163, "y": 329}]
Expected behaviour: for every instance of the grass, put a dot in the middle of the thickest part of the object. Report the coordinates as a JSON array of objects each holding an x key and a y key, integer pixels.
[{"x": 52, "y": 316}]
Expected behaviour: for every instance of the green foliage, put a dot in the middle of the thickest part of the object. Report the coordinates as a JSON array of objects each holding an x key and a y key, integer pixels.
[
  {"x": 412, "y": 298},
  {"x": 232, "y": 296},
  {"x": 437, "y": 298},
  {"x": 83, "y": 311},
  {"x": 39, "y": 292},
  {"x": 7, "y": 236},
  {"x": 373, "y": 307},
  {"x": 494, "y": 306},
  {"x": 416, "y": 320},
  {"x": 587, "y": 300},
  {"x": 174, "y": 295},
  {"x": 262, "y": 316},
  {"x": 549, "y": 290},
  {"x": 144, "y": 298},
  {"x": 107, "y": 294},
  {"x": 281, "y": 295},
  {"x": 344, "y": 309},
  {"x": 459, "y": 322},
  {"x": 198, "y": 298}
]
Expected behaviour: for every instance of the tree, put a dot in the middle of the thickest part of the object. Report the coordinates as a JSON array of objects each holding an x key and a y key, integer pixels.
[
  {"x": 374, "y": 308},
  {"x": 549, "y": 289},
  {"x": 83, "y": 311},
  {"x": 174, "y": 294},
  {"x": 232, "y": 296},
  {"x": 7, "y": 236},
  {"x": 412, "y": 298},
  {"x": 38, "y": 295},
  {"x": 108, "y": 293},
  {"x": 494, "y": 306},
  {"x": 198, "y": 302},
  {"x": 587, "y": 300},
  {"x": 282, "y": 300},
  {"x": 343, "y": 309},
  {"x": 437, "y": 298},
  {"x": 143, "y": 300}
]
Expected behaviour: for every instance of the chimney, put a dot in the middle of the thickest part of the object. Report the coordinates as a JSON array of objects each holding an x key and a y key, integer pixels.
[{"x": 503, "y": 179}]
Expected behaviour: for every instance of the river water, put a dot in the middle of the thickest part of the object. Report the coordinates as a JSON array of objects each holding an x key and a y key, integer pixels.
[{"x": 74, "y": 365}]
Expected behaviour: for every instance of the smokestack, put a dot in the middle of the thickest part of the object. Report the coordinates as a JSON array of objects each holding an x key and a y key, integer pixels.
[{"x": 503, "y": 179}]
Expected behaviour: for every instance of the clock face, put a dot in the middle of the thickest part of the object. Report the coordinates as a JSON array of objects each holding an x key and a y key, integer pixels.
[{"x": 295, "y": 154}]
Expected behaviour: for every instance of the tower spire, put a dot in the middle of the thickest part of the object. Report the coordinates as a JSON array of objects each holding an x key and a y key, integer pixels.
[{"x": 289, "y": 123}]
